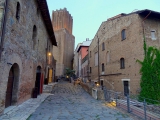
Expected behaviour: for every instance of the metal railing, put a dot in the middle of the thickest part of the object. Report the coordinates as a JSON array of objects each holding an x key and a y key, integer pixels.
[{"x": 134, "y": 104}]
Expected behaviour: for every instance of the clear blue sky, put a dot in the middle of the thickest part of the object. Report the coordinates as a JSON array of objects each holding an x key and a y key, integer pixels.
[{"x": 89, "y": 14}]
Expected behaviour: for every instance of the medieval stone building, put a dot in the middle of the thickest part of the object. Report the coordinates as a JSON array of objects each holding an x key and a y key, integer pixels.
[
  {"x": 26, "y": 40},
  {"x": 62, "y": 24},
  {"x": 120, "y": 40}
]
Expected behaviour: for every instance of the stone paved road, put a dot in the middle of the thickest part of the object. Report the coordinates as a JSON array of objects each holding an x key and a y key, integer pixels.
[{"x": 70, "y": 102}]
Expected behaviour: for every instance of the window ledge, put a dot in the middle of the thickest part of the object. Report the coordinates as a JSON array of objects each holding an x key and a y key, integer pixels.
[
  {"x": 123, "y": 39},
  {"x": 154, "y": 38},
  {"x": 122, "y": 68}
]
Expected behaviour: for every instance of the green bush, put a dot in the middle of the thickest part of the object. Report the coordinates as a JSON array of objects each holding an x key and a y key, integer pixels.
[{"x": 150, "y": 70}]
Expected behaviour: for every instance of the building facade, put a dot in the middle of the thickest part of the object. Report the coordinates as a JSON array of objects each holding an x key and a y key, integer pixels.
[
  {"x": 118, "y": 44},
  {"x": 85, "y": 68},
  {"x": 76, "y": 59},
  {"x": 81, "y": 59},
  {"x": 62, "y": 23},
  {"x": 26, "y": 40}
]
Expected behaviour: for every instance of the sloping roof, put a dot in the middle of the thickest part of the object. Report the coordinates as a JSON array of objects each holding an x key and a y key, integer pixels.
[
  {"x": 145, "y": 12},
  {"x": 117, "y": 16},
  {"x": 47, "y": 21},
  {"x": 81, "y": 46}
]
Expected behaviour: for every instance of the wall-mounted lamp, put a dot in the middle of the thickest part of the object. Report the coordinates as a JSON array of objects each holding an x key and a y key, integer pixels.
[
  {"x": 49, "y": 54},
  {"x": 97, "y": 84}
]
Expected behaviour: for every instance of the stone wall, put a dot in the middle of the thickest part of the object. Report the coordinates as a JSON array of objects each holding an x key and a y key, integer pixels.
[
  {"x": 62, "y": 19},
  {"x": 88, "y": 88},
  {"x": 64, "y": 51},
  {"x": 21, "y": 48},
  {"x": 2, "y": 2},
  {"x": 62, "y": 23}
]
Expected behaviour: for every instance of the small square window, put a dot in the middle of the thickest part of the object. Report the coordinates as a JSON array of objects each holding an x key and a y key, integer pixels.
[{"x": 96, "y": 59}]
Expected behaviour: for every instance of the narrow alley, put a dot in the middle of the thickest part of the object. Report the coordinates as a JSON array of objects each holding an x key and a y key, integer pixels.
[
  {"x": 66, "y": 102},
  {"x": 70, "y": 102}
]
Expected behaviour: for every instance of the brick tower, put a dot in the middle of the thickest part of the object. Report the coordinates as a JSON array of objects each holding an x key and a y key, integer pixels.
[{"x": 62, "y": 23}]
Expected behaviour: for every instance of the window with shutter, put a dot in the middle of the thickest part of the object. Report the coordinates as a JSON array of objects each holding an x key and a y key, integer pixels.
[
  {"x": 153, "y": 35},
  {"x": 102, "y": 67},
  {"x": 122, "y": 63},
  {"x": 123, "y": 34},
  {"x": 103, "y": 46},
  {"x": 90, "y": 70},
  {"x": 96, "y": 59}
]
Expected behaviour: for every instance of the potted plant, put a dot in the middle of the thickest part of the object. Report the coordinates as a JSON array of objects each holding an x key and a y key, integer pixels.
[{"x": 69, "y": 73}]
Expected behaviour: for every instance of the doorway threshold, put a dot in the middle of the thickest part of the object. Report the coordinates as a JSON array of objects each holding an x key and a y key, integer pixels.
[{"x": 6, "y": 110}]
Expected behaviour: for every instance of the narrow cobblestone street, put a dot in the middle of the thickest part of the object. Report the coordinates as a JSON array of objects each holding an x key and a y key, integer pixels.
[{"x": 70, "y": 102}]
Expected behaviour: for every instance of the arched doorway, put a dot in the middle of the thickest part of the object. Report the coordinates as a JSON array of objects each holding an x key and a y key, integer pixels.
[
  {"x": 38, "y": 80},
  {"x": 12, "y": 86}
]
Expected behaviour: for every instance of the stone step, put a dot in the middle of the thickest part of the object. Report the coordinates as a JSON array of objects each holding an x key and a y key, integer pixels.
[{"x": 48, "y": 88}]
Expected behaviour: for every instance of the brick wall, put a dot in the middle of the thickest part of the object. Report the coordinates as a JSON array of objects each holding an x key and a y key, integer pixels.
[{"x": 130, "y": 49}]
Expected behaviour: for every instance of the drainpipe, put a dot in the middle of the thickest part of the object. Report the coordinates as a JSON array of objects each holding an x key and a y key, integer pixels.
[
  {"x": 98, "y": 63},
  {"x": 144, "y": 28},
  {"x": 3, "y": 27}
]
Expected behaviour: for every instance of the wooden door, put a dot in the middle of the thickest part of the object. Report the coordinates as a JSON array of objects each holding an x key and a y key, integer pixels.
[
  {"x": 126, "y": 88},
  {"x": 9, "y": 89},
  {"x": 41, "y": 84},
  {"x": 37, "y": 84},
  {"x": 50, "y": 75}
]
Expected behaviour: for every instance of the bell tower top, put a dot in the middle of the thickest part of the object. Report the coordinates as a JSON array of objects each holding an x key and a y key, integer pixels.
[{"x": 62, "y": 19}]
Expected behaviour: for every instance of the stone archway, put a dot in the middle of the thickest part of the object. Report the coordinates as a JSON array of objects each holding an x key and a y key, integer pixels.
[{"x": 12, "y": 86}]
